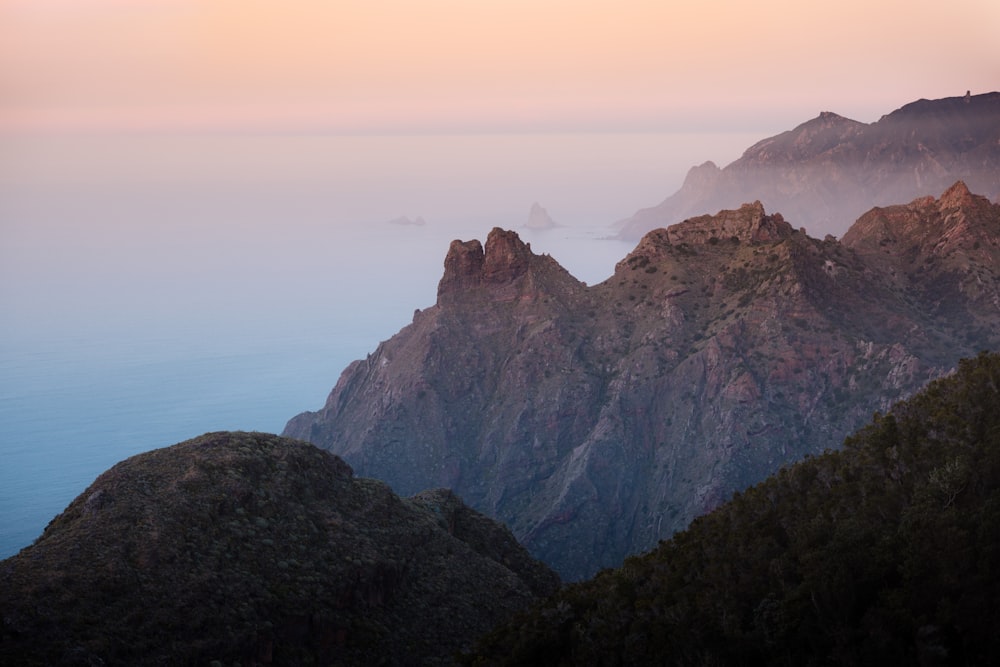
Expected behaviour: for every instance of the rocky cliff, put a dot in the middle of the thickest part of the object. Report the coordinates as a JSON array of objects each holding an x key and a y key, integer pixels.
[
  {"x": 247, "y": 548},
  {"x": 595, "y": 421},
  {"x": 882, "y": 553},
  {"x": 828, "y": 171}
]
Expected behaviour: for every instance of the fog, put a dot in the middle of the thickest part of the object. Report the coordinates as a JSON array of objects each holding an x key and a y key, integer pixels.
[
  {"x": 145, "y": 234},
  {"x": 155, "y": 288}
]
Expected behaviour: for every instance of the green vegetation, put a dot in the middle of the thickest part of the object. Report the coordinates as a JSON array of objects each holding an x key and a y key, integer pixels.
[{"x": 887, "y": 552}]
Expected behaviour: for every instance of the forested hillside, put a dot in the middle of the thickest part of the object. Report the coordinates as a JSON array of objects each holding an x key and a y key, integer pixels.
[{"x": 886, "y": 552}]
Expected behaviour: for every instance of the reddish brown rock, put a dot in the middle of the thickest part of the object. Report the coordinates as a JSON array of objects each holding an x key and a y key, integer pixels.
[
  {"x": 463, "y": 267},
  {"x": 595, "y": 421}
]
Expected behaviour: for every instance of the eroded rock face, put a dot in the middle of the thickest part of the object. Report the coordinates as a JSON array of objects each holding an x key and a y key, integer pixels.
[
  {"x": 944, "y": 250},
  {"x": 595, "y": 421},
  {"x": 505, "y": 269},
  {"x": 250, "y": 548},
  {"x": 749, "y": 224},
  {"x": 463, "y": 267},
  {"x": 826, "y": 172},
  {"x": 506, "y": 257}
]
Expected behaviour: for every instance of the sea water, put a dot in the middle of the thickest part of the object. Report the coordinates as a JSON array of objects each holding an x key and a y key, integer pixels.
[{"x": 153, "y": 288}]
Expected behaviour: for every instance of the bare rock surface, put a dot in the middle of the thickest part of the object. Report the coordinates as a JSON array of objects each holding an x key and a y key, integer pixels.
[{"x": 596, "y": 421}]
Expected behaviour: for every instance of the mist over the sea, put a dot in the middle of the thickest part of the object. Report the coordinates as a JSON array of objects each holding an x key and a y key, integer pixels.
[{"x": 158, "y": 287}]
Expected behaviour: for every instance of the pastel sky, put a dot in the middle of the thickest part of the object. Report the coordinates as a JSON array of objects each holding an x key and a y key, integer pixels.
[{"x": 370, "y": 66}]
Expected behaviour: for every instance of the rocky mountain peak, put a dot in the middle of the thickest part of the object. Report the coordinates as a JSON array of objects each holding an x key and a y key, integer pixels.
[
  {"x": 945, "y": 249},
  {"x": 829, "y": 170},
  {"x": 749, "y": 223},
  {"x": 815, "y": 136},
  {"x": 702, "y": 175},
  {"x": 955, "y": 196},
  {"x": 595, "y": 421},
  {"x": 463, "y": 266},
  {"x": 506, "y": 266},
  {"x": 506, "y": 257},
  {"x": 924, "y": 226},
  {"x": 469, "y": 265}
]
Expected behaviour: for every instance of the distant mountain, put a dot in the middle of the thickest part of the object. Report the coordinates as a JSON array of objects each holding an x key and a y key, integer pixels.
[
  {"x": 595, "y": 421},
  {"x": 885, "y": 553},
  {"x": 247, "y": 548},
  {"x": 828, "y": 171}
]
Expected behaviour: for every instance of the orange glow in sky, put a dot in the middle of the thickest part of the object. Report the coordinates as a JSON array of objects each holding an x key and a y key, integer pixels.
[{"x": 479, "y": 65}]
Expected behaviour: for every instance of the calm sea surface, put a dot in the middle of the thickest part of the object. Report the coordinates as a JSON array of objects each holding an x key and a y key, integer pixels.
[{"x": 156, "y": 288}]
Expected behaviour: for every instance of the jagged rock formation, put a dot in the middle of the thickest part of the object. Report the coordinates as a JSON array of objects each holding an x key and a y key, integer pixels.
[
  {"x": 539, "y": 218},
  {"x": 247, "y": 548},
  {"x": 944, "y": 251},
  {"x": 828, "y": 171},
  {"x": 595, "y": 421}
]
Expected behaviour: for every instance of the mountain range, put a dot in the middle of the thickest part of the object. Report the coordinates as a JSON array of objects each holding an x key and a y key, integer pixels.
[
  {"x": 251, "y": 549},
  {"x": 696, "y": 407},
  {"x": 826, "y": 172},
  {"x": 596, "y": 421}
]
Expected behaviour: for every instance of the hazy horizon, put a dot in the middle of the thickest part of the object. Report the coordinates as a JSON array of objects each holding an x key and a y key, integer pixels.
[
  {"x": 194, "y": 195},
  {"x": 447, "y": 66}
]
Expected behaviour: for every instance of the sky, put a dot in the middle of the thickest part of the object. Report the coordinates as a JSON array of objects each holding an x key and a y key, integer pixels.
[{"x": 454, "y": 66}]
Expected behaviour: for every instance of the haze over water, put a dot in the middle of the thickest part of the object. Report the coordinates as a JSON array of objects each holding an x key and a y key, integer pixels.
[
  {"x": 194, "y": 195},
  {"x": 155, "y": 288}
]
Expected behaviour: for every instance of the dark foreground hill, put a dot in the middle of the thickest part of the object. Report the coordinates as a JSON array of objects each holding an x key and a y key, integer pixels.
[
  {"x": 885, "y": 553},
  {"x": 828, "y": 171},
  {"x": 250, "y": 549},
  {"x": 595, "y": 421}
]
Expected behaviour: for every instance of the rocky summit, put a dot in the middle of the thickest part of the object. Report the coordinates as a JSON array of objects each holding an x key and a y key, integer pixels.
[
  {"x": 247, "y": 548},
  {"x": 596, "y": 421},
  {"x": 829, "y": 170}
]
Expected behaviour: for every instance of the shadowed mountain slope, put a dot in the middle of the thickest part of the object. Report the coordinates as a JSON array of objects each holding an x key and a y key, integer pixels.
[
  {"x": 595, "y": 421},
  {"x": 884, "y": 553},
  {"x": 249, "y": 548}
]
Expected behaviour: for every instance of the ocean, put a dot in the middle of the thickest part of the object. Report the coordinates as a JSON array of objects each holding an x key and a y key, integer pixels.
[{"x": 153, "y": 288}]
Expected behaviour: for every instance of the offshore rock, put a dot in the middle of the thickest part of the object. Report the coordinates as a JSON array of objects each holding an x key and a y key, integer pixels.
[{"x": 539, "y": 218}]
